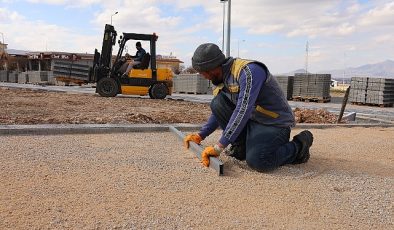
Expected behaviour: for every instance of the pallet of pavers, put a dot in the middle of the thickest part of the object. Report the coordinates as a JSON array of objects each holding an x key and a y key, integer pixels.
[
  {"x": 3, "y": 75},
  {"x": 286, "y": 84},
  {"x": 372, "y": 91},
  {"x": 190, "y": 84},
  {"x": 68, "y": 71},
  {"x": 312, "y": 87}
]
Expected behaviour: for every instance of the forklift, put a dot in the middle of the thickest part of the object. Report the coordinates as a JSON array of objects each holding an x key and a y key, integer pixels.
[{"x": 144, "y": 79}]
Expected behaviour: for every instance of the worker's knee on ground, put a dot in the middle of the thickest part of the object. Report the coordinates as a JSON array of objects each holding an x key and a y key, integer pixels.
[{"x": 262, "y": 164}]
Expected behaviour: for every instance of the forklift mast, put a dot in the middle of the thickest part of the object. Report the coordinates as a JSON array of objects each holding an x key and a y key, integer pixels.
[
  {"x": 102, "y": 62},
  {"x": 109, "y": 41}
]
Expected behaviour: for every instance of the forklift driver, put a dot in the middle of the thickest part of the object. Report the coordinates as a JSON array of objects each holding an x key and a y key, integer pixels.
[{"x": 135, "y": 59}]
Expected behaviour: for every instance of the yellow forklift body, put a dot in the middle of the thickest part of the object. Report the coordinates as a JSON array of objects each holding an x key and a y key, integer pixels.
[
  {"x": 134, "y": 90},
  {"x": 163, "y": 74}
]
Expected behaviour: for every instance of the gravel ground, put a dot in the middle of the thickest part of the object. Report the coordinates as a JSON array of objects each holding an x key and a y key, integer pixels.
[
  {"x": 139, "y": 181},
  {"x": 25, "y": 106}
]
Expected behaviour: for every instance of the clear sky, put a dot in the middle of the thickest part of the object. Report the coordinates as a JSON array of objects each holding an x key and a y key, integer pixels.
[{"x": 340, "y": 33}]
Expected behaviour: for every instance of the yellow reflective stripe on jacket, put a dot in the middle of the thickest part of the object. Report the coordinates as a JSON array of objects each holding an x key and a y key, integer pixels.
[
  {"x": 217, "y": 89},
  {"x": 233, "y": 88},
  {"x": 237, "y": 67},
  {"x": 267, "y": 112}
]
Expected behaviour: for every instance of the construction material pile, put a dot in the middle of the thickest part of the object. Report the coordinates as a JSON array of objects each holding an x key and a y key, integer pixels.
[
  {"x": 286, "y": 84},
  {"x": 190, "y": 83},
  {"x": 69, "y": 71},
  {"x": 372, "y": 91},
  {"x": 314, "y": 116},
  {"x": 312, "y": 87}
]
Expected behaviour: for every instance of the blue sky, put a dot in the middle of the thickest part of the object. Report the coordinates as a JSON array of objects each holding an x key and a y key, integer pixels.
[{"x": 340, "y": 34}]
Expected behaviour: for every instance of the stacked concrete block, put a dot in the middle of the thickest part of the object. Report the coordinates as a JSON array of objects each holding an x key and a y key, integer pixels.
[
  {"x": 374, "y": 91},
  {"x": 358, "y": 89},
  {"x": 38, "y": 76},
  {"x": 72, "y": 70},
  {"x": 286, "y": 84},
  {"x": 312, "y": 86},
  {"x": 190, "y": 83},
  {"x": 23, "y": 78},
  {"x": 13, "y": 77},
  {"x": 3, "y": 76},
  {"x": 51, "y": 78}
]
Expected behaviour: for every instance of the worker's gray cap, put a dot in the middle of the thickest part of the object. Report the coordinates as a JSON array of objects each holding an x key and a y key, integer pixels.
[{"x": 207, "y": 56}]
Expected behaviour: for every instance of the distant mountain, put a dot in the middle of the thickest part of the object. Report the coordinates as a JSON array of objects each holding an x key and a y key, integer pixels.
[
  {"x": 292, "y": 72},
  {"x": 17, "y": 52},
  {"x": 382, "y": 69}
]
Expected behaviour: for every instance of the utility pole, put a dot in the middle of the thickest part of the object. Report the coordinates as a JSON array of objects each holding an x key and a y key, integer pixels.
[
  {"x": 306, "y": 57},
  {"x": 3, "y": 45},
  {"x": 113, "y": 15},
  {"x": 228, "y": 28},
  {"x": 224, "y": 19},
  {"x": 344, "y": 69},
  {"x": 238, "y": 46}
]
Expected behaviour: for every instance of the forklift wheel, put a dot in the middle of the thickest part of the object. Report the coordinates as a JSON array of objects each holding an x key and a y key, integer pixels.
[
  {"x": 158, "y": 91},
  {"x": 107, "y": 87}
]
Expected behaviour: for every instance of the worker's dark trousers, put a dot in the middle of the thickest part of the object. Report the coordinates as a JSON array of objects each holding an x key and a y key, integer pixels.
[{"x": 267, "y": 147}]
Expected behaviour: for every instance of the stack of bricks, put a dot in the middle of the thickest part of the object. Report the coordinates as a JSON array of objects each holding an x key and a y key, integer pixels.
[
  {"x": 71, "y": 69},
  {"x": 372, "y": 91},
  {"x": 190, "y": 84},
  {"x": 3, "y": 76},
  {"x": 312, "y": 87},
  {"x": 286, "y": 84}
]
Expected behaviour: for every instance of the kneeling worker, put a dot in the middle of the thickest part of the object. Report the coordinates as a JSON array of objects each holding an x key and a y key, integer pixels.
[{"x": 252, "y": 111}]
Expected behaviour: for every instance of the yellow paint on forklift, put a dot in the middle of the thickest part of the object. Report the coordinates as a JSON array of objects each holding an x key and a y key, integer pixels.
[
  {"x": 134, "y": 90},
  {"x": 139, "y": 73},
  {"x": 164, "y": 74}
]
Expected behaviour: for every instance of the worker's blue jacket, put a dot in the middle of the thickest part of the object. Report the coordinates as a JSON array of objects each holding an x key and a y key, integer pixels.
[{"x": 257, "y": 96}]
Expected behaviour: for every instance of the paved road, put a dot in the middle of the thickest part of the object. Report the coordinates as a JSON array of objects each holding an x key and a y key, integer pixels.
[{"x": 386, "y": 113}]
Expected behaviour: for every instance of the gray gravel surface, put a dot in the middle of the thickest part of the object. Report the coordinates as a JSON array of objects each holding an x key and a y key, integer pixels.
[{"x": 149, "y": 181}]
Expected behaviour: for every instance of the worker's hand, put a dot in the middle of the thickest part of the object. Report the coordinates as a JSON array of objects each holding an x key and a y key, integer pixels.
[
  {"x": 210, "y": 151},
  {"x": 192, "y": 137}
]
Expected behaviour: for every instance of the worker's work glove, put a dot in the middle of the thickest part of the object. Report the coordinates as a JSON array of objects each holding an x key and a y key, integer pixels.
[
  {"x": 210, "y": 151},
  {"x": 192, "y": 137}
]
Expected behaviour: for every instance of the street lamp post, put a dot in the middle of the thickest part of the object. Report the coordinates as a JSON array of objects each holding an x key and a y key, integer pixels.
[
  {"x": 238, "y": 45},
  {"x": 3, "y": 45},
  {"x": 228, "y": 26},
  {"x": 224, "y": 19},
  {"x": 113, "y": 15}
]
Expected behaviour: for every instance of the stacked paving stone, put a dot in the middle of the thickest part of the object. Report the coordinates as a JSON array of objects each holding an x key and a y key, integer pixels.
[
  {"x": 38, "y": 76},
  {"x": 3, "y": 76},
  {"x": 373, "y": 91},
  {"x": 286, "y": 84},
  {"x": 13, "y": 77},
  {"x": 23, "y": 77},
  {"x": 9, "y": 76},
  {"x": 190, "y": 83},
  {"x": 312, "y": 87},
  {"x": 72, "y": 70}
]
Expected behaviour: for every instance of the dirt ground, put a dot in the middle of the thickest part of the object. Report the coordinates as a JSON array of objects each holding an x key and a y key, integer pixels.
[
  {"x": 148, "y": 181},
  {"x": 24, "y": 106}
]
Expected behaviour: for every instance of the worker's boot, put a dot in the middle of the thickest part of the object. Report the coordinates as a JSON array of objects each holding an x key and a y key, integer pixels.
[
  {"x": 303, "y": 142},
  {"x": 238, "y": 151}
]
